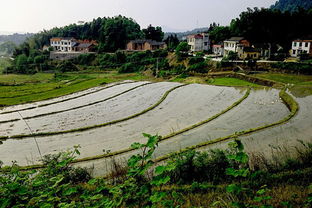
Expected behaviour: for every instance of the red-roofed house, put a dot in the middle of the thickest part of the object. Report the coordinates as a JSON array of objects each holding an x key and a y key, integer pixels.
[{"x": 199, "y": 42}]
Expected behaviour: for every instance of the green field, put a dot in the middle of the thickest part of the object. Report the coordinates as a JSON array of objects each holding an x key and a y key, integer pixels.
[
  {"x": 287, "y": 78},
  {"x": 18, "y": 89},
  {"x": 228, "y": 81}
]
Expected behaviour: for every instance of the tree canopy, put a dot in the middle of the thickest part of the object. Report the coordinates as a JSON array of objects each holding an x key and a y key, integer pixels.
[
  {"x": 153, "y": 33},
  {"x": 112, "y": 33},
  {"x": 292, "y": 5}
]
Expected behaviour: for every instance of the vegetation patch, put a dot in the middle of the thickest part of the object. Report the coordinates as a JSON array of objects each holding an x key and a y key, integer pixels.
[
  {"x": 219, "y": 178},
  {"x": 47, "y": 86},
  {"x": 228, "y": 81},
  {"x": 287, "y": 78}
]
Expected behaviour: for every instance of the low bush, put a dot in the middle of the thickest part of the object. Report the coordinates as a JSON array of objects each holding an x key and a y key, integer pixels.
[
  {"x": 67, "y": 66},
  {"x": 145, "y": 184},
  {"x": 303, "y": 68},
  {"x": 195, "y": 60},
  {"x": 129, "y": 67},
  {"x": 200, "y": 67},
  {"x": 192, "y": 166}
]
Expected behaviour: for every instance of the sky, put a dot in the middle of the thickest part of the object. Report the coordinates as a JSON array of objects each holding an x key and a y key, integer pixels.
[{"x": 172, "y": 15}]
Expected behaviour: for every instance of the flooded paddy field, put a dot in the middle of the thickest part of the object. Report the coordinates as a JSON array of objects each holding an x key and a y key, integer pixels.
[{"x": 183, "y": 107}]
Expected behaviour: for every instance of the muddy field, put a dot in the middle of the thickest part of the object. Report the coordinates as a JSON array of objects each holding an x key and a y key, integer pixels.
[{"x": 162, "y": 108}]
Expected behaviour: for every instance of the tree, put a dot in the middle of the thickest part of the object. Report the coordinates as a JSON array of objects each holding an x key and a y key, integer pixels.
[
  {"x": 183, "y": 47},
  {"x": 220, "y": 33},
  {"x": 181, "y": 50},
  {"x": 21, "y": 64},
  {"x": 172, "y": 42},
  {"x": 153, "y": 33}
]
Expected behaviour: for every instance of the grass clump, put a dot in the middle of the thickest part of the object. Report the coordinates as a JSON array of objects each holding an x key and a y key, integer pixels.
[{"x": 228, "y": 81}]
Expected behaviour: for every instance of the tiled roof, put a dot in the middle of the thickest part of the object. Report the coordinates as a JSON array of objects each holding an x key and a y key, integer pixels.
[
  {"x": 302, "y": 40},
  {"x": 196, "y": 36},
  {"x": 236, "y": 39},
  {"x": 84, "y": 45},
  {"x": 152, "y": 42}
]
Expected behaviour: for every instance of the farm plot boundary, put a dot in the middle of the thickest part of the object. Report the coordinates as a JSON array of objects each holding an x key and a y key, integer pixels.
[
  {"x": 288, "y": 100},
  {"x": 78, "y": 107},
  {"x": 165, "y": 95},
  {"x": 108, "y": 155},
  {"x": 64, "y": 100}
]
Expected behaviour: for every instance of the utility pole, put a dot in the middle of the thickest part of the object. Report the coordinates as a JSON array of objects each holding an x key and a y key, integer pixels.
[{"x": 157, "y": 68}]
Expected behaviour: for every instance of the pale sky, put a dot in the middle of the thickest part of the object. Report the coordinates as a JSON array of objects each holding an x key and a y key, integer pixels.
[{"x": 36, "y": 15}]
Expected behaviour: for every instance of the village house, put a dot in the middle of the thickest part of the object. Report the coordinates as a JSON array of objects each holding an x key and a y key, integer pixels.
[
  {"x": 247, "y": 53},
  {"x": 233, "y": 43},
  {"x": 199, "y": 42},
  {"x": 301, "y": 47},
  {"x": 218, "y": 49},
  {"x": 69, "y": 44},
  {"x": 69, "y": 48},
  {"x": 144, "y": 45},
  {"x": 63, "y": 44}
]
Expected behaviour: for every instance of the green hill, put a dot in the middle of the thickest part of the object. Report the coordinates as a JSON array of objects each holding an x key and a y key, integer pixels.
[{"x": 292, "y": 5}]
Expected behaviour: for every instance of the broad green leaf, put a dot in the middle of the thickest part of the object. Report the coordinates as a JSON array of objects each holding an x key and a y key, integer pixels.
[
  {"x": 70, "y": 191},
  {"x": 159, "y": 170}
]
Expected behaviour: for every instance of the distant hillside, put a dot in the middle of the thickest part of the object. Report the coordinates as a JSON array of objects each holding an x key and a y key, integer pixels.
[
  {"x": 292, "y": 5},
  {"x": 16, "y": 38},
  {"x": 180, "y": 35}
]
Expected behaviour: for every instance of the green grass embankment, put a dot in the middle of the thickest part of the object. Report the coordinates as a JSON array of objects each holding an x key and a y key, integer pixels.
[{"x": 21, "y": 89}]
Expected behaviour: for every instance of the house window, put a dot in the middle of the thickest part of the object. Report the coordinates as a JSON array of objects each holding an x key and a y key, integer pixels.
[
  {"x": 295, "y": 44},
  {"x": 300, "y": 44},
  {"x": 294, "y": 52},
  {"x": 306, "y": 44}
]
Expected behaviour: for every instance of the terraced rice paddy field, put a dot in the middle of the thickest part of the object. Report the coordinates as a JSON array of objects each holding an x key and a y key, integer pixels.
[{"x": 113, "y": 116}]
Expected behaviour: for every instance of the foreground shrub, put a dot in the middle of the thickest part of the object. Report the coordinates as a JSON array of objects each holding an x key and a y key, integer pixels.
[
  {"x": 129, "y": 67},
  {"x": 193, "y": 166},
  {"x": 67, "y": 66},
  {"x": 198, "y": 68}
]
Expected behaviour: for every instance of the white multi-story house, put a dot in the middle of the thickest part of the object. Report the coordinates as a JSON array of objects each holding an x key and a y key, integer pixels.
[
  {"x": 301, "y": 47},
  {"x": 199, "y": 42},
  {"x": 218, "y": 49},
  {"x": 233, "y": 44},
  {"x": 63, "y": 44}
]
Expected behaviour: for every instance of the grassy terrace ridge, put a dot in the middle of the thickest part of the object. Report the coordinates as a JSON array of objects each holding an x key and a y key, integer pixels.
[
  {"x": 230, "y": 81},
  {"x": 287, "y": 99},
  {"x": 66, "y": 99},
  {"x": 165, "y": 95},
  {"x": 287, "y": 78},
  {"x": 82, "y": 106},
  {"x": 41, "y": 86},
  {"x": 162, "y": 139}
]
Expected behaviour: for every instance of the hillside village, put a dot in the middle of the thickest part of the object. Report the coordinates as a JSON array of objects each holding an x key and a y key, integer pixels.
[{"x": 238, "y": 48}]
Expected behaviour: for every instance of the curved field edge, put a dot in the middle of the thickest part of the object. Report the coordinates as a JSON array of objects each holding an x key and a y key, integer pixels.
[
  {"x": 162, "y": 139},
  {"x": 165, "y": 95},
  {"x": 288, "y": 100},
  {"x": 64, "y": 100},
  {"x": 60, "y": 85},
  {"x": 78, "y": 107}
]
